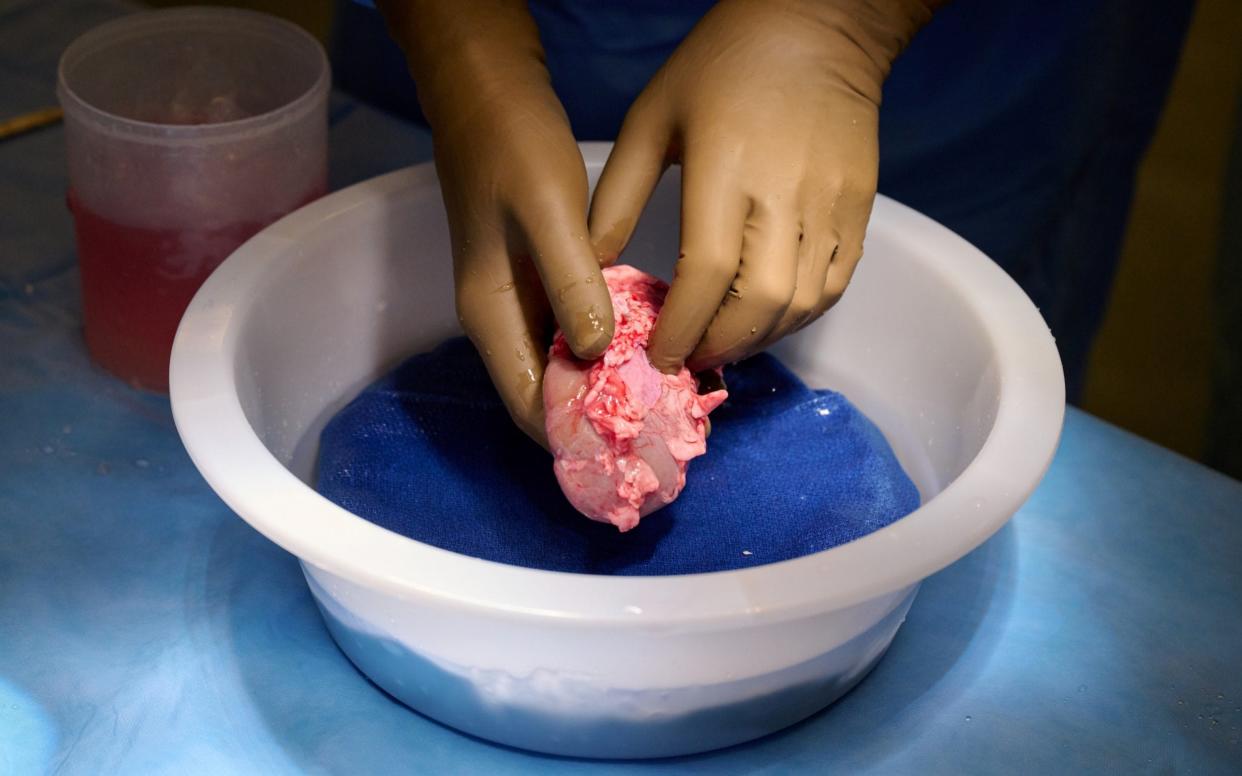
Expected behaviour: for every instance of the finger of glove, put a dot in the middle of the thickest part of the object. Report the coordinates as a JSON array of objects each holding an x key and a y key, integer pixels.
[
  {"x": 555, "y": 229},
  {"x": 713, "y": 214},
  {"x": 851, "y": 220},
  {"x": 815, "y": 254},
  {"x": 504, "y": 314},
  {"x": 634, "y": 167},
  {"x": 760, "y": 294},
  {"x": 840, "y": 271}
]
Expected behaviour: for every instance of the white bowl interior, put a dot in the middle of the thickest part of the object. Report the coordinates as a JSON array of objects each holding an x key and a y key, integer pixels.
[
  {"x": 932, "y": 341},
  {"x": 390, "y": 296}
]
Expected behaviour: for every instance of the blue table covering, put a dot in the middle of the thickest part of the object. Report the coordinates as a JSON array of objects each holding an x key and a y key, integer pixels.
[{"x": 145, "y": 629}]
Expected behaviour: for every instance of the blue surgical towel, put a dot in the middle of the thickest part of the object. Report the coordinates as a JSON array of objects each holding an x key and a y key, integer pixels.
[{"x": 430, "y": 453}]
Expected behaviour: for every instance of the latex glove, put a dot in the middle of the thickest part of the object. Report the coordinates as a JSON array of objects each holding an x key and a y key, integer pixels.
[
  {"x": 514, "y": 187},
  {"x": 771, "y": 109}
]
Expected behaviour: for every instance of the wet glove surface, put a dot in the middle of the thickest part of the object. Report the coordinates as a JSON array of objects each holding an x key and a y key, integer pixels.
[
  {"x": 430, "y": 453},
  {"x": 771, "y": 107}
]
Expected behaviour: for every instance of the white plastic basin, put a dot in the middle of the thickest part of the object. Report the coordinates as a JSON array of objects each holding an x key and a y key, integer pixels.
[{"x": 933, "y": 341}]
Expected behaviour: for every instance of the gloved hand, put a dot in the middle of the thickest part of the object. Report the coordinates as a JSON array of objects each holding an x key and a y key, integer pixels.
[
  {"x": 771, "y": 108},
  {"x": 515, "y": 189}
]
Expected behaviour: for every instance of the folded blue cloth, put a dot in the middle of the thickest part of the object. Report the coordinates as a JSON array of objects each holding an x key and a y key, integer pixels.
[{"x": 429, "y": 452}]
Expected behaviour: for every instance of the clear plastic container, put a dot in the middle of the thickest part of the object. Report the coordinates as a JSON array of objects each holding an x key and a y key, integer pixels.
[{"x": 187, "y": 131}]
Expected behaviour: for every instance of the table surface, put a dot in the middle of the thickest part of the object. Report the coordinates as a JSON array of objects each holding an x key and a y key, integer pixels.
[{"x": 144, "y": 628}]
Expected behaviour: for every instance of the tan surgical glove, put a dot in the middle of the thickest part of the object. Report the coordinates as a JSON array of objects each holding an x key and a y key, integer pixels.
[
  {"x": 514, "y": 186},
  {"x": 771, "y": 108}
]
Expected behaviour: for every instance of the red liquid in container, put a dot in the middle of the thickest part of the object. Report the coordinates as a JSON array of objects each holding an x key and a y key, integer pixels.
[{"x": 137, "y": 283}]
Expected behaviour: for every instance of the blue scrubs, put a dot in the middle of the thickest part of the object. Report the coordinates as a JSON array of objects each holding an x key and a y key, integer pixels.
[{"x": 1019, "y": 125}]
